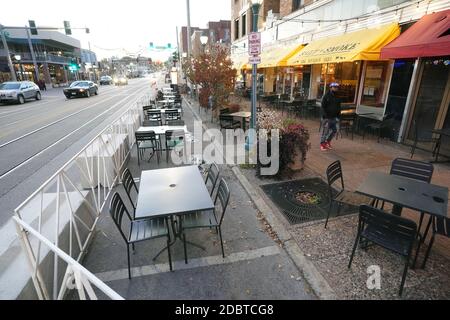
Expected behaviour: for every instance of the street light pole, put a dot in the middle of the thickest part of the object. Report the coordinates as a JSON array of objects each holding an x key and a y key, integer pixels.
[
  {"x": 255, "y": 10},
  {"x": 5, "y": 45},
  {"x": 33, "y": 56}
]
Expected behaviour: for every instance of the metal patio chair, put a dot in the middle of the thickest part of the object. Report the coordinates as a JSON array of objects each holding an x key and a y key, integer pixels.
[
  {"x": 389, "y": 231},
  {"x": 212, "y": 176},
  {"x": 209, "y": 218},
  {"x": 441, "y": 226},
  {"x": 129, "y": 185},
  {"x": 154, "y": 115},
  {"x": 416, "y": 138},
  {"x": 334, "y": 173},
  {"x": 139, "y": 230},
  {"x": 147, "y": 140},
  {"x": 174, "y": 139}
]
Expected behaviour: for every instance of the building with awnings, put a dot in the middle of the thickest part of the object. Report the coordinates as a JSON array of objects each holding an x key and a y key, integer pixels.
[
  {"x": 352, "y": 60},
  {"x": 422, "y": 54},
  {"x": 329, "y": 28}
]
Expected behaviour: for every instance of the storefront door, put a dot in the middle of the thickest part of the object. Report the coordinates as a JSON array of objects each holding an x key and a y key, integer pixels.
[{"x": 432, "y": 99}]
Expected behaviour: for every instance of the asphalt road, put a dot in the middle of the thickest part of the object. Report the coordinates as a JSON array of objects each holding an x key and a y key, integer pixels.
[{"x": 38, "y": 137}]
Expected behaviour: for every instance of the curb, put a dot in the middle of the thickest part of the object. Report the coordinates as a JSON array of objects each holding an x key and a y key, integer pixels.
[{"x": 319, "y": 285}]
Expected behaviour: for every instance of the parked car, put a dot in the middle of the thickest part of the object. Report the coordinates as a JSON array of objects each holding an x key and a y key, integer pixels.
[
  {"x": 81, "y": 89},
  {"x": 106, "y": 80},
  {"x": 120, "y": 81},
  {"x": 19, "y": 91}
]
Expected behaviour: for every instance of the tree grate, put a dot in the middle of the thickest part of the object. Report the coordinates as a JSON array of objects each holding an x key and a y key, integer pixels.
[{"x": 292, "y": 198}]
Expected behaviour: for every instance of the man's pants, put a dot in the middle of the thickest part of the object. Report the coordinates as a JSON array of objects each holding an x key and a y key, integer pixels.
[{"x": 329, "y": 130}]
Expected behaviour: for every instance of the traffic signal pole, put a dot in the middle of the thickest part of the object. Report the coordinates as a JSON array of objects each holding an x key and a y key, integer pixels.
[{"x": 8, "y": 56}]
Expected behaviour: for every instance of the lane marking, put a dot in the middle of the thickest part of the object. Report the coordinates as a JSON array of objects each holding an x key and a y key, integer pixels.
[
  {"x": 55, "y": 122},
  {"x": 6, "y": 173},
  {"x": 148, "y": 270}
]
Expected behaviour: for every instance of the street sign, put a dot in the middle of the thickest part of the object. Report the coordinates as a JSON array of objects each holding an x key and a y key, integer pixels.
[
  {"x": 254, "y": 59},
  {"x": 254, "y": 43}
]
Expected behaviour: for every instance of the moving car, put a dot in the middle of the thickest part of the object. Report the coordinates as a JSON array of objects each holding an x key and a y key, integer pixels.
[
  {"x": 106, "y": 80},
  {"x": 120, "y": 81},
  {"x": 81, "y": 89},
  {"x": 19, "y": 91}
]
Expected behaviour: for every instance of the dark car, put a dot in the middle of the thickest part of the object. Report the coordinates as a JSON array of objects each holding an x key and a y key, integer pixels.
[
  {"x": 106, "y": 80},
  {"x": 81, "y": 89}
]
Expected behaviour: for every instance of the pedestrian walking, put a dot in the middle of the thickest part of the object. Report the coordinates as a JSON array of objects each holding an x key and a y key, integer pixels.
[{"x": 331, "y": 112}]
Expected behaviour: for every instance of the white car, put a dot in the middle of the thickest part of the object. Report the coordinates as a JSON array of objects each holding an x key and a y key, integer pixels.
[{"x": 19, "y": 91}]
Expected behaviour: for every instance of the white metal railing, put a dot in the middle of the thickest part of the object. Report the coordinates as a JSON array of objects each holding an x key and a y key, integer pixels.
[{"x": 63, "y": 212}]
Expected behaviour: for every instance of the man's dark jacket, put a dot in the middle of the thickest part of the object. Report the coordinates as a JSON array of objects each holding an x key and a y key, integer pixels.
[{"x": 331, "y": 106}]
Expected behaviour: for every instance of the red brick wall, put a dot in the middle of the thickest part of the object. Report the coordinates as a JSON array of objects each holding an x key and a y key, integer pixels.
[{"x": 286, "y": 6}]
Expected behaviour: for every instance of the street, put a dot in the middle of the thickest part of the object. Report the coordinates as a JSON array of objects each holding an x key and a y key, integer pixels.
[{"x": 38, "y": 137}]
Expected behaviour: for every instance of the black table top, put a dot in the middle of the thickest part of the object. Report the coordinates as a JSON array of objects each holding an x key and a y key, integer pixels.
[
  {"x": 405, "y": 192},
  {"x": 172, "y": 191}
]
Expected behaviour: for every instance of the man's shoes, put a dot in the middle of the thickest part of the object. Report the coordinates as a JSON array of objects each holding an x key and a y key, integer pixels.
[
  {"x": 328, "y": 145},
  {"x": 323, "y": 147}
]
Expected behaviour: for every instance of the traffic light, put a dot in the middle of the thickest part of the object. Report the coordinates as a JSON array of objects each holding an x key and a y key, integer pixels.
[
  {"x": 151, "y": 45},
  {"x": 67, "y": 28},
  {"x": 87, "y": 30},
  {"x": 175, "y": 56},
  {"x": 169, "y": 46},
  {"x": 33, "y": 28}
]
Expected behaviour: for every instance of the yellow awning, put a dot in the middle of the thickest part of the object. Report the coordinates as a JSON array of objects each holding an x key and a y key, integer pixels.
[
  {"x": 279, "y": 55},
  {"x": 359, "y": 45}
]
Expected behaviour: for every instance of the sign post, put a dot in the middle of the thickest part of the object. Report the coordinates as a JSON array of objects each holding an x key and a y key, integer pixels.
[{"x": 254, "y": 51}]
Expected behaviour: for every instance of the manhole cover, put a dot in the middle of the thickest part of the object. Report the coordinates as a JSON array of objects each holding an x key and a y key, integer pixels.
[{"x": 304, "y": 200}]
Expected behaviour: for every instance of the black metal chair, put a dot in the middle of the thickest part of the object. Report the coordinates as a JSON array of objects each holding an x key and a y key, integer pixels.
[
  {"x": 378, "y": 126},
  {"x": 129, "y": 185},
  {"x": 208, "y": 219},
  {"x": 389, "y": 231},
  {"x": 174, "y": 138},
  {"x": 413, "y": 169},
  {"x": 417, "y": 170},
  {"x": 147, "y": 107},
  {"x": 227, "y": 122},
  {"x": 154, "y": 115},
  {"x": 175, "y": 123},
  {"x": 417, "y": 139},
  {"x": 212, "y": 177},
  {"x": 347, "y": 122},
  {"x": 334, "y": 173},
  {"x": 172, "y": 114},
  {"x": 147, "y": 140},
  {"x": 150, "y": 123},
  {"x": 139, "y": 230},
  {"x": 441, "y": 226}
]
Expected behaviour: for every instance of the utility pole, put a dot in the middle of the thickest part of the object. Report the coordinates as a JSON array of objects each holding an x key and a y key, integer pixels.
[
  {"x": 33, "y": 56},
  {"x": 8, "y": 56},
  {"x": 188, "y": 29}
]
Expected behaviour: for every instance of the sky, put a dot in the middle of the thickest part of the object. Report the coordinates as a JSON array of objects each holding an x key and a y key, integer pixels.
[{"x": 118, "y": 28}]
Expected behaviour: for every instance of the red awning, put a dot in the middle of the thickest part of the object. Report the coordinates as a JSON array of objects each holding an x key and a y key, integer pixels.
[{"x": 428, "y": 37}]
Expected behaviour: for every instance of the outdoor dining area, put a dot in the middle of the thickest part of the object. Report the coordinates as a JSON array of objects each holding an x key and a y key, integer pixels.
[
  {"x": 407, "y": 185},
  {"x": 166, "y": 202}
]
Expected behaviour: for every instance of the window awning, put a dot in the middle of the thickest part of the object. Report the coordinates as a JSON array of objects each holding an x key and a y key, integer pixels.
[
  {"x": 428, "y": 37},
  {"x": 349, "y": 47},
  {"x": 278, "y": 56}
]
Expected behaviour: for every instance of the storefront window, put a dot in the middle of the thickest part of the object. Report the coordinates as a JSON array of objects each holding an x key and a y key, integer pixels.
[
  {"x": 302, "y": 77},
  {"x": 375, "y": 84},
  {"x": 346, "y": 74}
]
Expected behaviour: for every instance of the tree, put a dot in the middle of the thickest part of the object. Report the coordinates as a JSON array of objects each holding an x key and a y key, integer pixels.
[{"x": 213, "y": 72}]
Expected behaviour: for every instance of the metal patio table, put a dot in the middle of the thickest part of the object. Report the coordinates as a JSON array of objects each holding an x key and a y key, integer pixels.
[
  {"x": 172, "y": 192},
  {"x": 405, "y": 192},
  {"x": 243, "y": 115},
  {"x": 161, "y": 130},
  {"x": 437, "y": 148}
]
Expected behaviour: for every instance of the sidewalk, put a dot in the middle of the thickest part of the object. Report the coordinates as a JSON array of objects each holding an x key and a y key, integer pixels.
[
  {"x": 329, "y": 249},
  {"x": 255, "y": 266}
]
